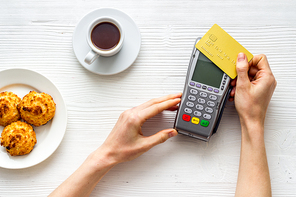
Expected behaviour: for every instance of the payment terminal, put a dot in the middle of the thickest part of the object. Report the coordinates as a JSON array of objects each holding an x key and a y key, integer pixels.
[{"x": 205, "y": 93}]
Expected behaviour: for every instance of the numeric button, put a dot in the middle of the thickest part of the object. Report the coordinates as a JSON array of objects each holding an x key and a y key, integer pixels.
[
  {"x": 197, "y": 113},
  {"x": 193, "y": 91},
  {"x": 199, "y": 107},
  {"x": 209, "y": 110},
  {"x": 203, "y": 94},
  {"x": 191, "y": 98},
  {"x": 211, "y": 103},
  {"x": 189, "y": 104},
  {"x": 213, "y": 97},
  {"x": 200, "y": 100},
  {"x": 188, "y": 111},
  {"x": 207, "y": 116}
]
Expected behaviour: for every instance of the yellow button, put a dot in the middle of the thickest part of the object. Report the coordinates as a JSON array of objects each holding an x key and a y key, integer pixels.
[{"x": 195, "y": 120}]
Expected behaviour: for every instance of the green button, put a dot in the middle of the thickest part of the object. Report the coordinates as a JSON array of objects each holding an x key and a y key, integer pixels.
[{"x": 204, "y": 123}]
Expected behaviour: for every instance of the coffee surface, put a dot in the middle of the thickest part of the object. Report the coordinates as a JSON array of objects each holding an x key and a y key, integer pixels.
[{"x": 105, "y": 36}]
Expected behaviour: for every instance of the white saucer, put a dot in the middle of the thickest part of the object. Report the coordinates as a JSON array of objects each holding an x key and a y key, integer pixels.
[{"x": 117, "y": 63}]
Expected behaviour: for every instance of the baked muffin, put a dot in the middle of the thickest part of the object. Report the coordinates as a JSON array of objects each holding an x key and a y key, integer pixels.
[
  {"x": 37, "y": 108},
  {"x": 18, "y": 138},
  {"x": 8, "y": 108}
]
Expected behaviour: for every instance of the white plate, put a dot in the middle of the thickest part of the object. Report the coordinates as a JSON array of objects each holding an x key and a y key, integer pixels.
[
  {"x": 114, "y": 64},
  {"x": 50, "y": 135}
]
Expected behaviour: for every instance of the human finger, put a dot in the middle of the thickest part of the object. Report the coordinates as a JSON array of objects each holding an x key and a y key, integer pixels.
[
  {"x": 242, "y": 68},
  {"x": 157, "y": 108},
  {"x": 261, "y": 62},
  {"x": 159, "y": 137},
  {"x": 158, "y": 100},
  {"x": 253, "y": 70},
  {"x": 233, "y": 82},
  {"x": 232, "y": 93},
  {"x": 174, "y": 108}
]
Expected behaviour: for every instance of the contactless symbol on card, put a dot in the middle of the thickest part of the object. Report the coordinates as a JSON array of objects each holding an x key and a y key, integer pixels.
[{"x": 222, "y": 49}]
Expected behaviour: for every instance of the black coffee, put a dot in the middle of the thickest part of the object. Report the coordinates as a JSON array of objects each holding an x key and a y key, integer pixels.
[{"x": 105, "y": 36}]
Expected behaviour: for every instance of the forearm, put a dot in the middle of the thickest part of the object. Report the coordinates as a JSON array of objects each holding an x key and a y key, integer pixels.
[
  {"x": 85, "y": 178},
  {"x": 253, "y": 175}
]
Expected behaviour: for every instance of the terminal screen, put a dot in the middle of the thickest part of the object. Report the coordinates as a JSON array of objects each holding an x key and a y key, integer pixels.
[{"x": 207, "y": 72}]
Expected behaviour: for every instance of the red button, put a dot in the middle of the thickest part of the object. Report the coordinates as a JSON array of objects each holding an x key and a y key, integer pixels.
[{"x": 186, "y": 117}]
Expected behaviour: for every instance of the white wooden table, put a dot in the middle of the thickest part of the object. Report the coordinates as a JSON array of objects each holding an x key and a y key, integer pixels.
[{"x": 37, "y": 35}]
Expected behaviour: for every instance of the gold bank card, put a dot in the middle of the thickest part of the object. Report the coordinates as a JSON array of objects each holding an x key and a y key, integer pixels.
[{"x": 222, "y": 49}]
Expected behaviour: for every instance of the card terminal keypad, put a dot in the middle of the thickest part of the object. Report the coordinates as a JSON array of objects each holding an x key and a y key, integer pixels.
[{"x": 200, "y": 105}]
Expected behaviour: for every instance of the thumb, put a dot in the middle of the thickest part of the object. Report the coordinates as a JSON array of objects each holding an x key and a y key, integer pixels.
[
  {"x": 161, "y": 137},
  {"x": 242, "y": 68}
]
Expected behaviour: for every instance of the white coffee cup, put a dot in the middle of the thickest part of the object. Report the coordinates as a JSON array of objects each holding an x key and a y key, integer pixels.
[{"x": 105, "y": 37}]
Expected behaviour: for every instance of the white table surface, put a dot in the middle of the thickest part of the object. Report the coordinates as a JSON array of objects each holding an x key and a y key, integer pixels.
[{"x": 38, "y": 35}]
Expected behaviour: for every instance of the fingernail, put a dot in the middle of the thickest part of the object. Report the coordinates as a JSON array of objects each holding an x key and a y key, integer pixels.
[
  {"x": 172, "y": 134},
  {"x": 240, "y": 57}
]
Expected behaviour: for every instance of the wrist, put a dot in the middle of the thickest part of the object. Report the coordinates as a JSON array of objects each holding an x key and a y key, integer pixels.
[
  {"x": 252, "y": 130},
  {"x": 101, "y": 160}
]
